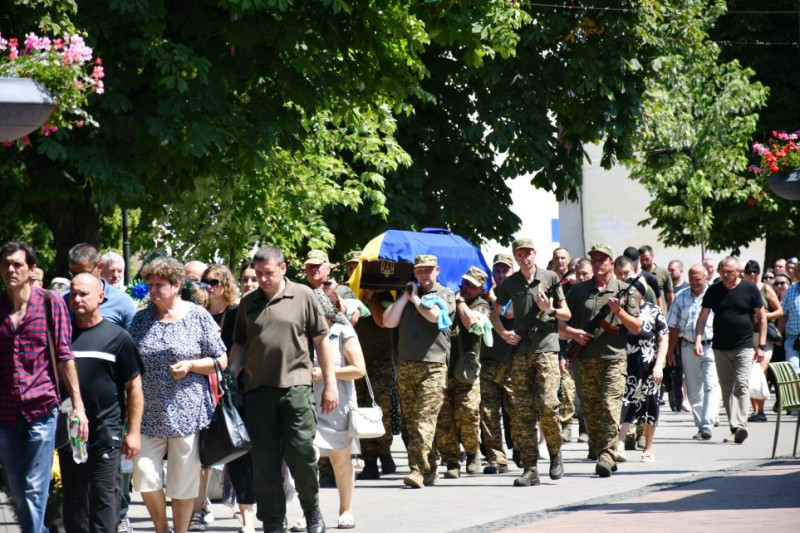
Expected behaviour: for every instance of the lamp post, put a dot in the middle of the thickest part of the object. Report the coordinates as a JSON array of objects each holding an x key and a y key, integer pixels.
[{"x": 24, "y": 106}]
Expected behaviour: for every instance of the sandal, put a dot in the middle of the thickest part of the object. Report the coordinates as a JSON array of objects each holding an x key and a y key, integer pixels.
[
  {"x": 346, "y": 521},
  {"x": 300, "y": 525},
  {"x": 648, "y": 457},
  {"x": 197, "y": 522}
]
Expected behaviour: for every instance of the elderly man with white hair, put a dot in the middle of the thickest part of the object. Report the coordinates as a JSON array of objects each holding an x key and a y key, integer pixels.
[{"x": 114, "y": 271}]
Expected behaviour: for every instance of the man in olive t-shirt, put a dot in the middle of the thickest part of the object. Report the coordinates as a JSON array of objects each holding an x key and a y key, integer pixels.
[
  {"x": 271, "y": 346},
  {"x": 534, "y": 368},
  {"x": 603, "y": 359}
]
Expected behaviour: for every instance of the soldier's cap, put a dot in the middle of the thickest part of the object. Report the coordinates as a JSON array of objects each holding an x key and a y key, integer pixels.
[
  {"x": 425, "y": 260},
  {"x": 476, "y": 276},
  {"x": 37, "y": 274},
  {"x": 524, "y": 242},
  {"x": 352, "y": 257},
  {"x": 603, "y": 249},
  {"x": 505, "y": 259},
  {"x": 316, "y": 257}
]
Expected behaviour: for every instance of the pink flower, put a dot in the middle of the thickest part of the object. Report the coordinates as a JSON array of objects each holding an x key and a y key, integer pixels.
[{"x": 47, "y": 129}]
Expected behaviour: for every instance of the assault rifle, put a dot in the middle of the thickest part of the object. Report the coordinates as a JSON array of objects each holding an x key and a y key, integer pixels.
[
  {"x": 601, "y": 322},
  {"x": 531, "y": 320}
]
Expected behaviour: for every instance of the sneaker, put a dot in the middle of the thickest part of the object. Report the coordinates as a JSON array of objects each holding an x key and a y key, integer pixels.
[
  {"x": 753, "y": 418},
  {"x": 197, "y": 522},
  {"x": 698, "y": 435},
  {"x": 761, "y": 416},
  {"x": 740, "y": 436},
  {"x": 530, "y": 477},
  {"x": 124, "y": 525},
  {"x": 705, "y": 434},
  {"x": 495, "y": 468}
]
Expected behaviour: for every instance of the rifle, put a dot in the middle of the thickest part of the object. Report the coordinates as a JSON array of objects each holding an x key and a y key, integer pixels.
[
  {"x": 601, "y": 322},
  {"x": 531, "y": 320}
]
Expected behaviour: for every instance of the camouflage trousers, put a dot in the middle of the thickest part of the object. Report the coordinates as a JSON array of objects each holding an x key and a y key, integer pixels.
[
  {"x": 459, "y": 421},
  {"x": 420, "y": 388},
  {"x": 602, "y": 385},
  {"x": 381, "y": 377},
  {"x": 567, "y": 410},
  {"x": 532, "y": 389},
  {"x": 492, "y": 400}
]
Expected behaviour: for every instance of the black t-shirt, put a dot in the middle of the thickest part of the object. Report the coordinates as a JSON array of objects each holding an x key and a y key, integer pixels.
[
  {"x": 106, "y": 358},
  {"x": 652, "y": 281},
  {"x": 226, "y": 320},
  {"x": 733, "y": 314}
]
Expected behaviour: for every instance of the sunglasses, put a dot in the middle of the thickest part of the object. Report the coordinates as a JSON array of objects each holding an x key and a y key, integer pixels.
[
  {"x": 212, "y": 282},
  {"x": 781, "y": 283},
  {"x": 751, "y": 272},
  {"x": 769, "y": 277}
]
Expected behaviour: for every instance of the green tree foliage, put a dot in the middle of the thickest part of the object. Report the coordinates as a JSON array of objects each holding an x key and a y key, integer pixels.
[
  {"x": 694, "y": 136},
  {"x": 553, "y": 80},
  {"x": 764, "y": 40}
]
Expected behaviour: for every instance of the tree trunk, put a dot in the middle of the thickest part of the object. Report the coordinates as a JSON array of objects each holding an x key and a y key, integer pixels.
[{"x": 65, "y": 207}]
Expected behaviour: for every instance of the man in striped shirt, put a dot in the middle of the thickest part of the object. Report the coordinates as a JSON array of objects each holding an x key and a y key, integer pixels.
[{"x": 700, "y": 372}]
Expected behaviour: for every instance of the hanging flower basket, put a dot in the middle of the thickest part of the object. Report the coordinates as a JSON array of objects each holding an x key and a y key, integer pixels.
[{"x": 24, "y": 106}]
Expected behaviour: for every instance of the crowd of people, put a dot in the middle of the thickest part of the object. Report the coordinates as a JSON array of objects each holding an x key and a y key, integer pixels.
[{"x": 506, "y": 362}]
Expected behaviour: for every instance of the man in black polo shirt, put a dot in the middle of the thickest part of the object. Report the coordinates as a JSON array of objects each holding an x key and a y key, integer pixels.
[
  {"x": 734, "y": 302},
  {"x": 109, "y": 370}
]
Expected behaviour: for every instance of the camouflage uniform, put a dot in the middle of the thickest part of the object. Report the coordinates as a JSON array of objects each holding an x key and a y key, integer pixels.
[
  {"x": 381, "y": 377},
  {"x": 459, "y": 418},
  {"x": 603, "y": 382},
  {"x": 420, "y": 387},
  {"x": 534, "y": 376},
  {"x": 567, "y": 411},
  {"x": 493, "y": 397},
  {"x": 603, "y": 362},
  {"x": 423, "y": 350}
]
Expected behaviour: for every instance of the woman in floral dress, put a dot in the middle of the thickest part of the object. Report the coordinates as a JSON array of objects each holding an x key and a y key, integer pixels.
[{"x": 647, "y": 354}]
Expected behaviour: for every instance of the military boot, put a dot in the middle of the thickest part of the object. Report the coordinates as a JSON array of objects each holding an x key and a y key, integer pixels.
[
  {"x": 314, "y": 522},
  {"x": 370, "y": 470},
  {"x": 556, "y": 466},
  {"x": 528, "y": 478},
  {"x": 453, "y": 471},
  {"x": 473, "y": 464},
  {"x": 387, "y": 464},
  {"x": 432, "y": 476},
  {"x": 414, "y": 480}
]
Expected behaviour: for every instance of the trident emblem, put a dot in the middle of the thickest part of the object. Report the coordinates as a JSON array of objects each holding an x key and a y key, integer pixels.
[{"x": 387, "y": 267}]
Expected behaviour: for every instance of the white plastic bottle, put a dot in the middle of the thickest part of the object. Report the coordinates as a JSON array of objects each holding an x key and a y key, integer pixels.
[{"x": 79, "y": 452}]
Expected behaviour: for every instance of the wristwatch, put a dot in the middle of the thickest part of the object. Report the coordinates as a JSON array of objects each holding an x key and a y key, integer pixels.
[{"x": 763, "y": 347}]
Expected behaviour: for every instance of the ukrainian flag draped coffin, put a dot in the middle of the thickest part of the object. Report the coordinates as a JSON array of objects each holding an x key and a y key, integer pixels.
[{"x": 387, "y": 261}]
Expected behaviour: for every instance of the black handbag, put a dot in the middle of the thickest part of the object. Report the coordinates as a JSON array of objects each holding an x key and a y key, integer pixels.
[
  {"x": 225, "y": 438},
  {"x": 64, "y": 407}
]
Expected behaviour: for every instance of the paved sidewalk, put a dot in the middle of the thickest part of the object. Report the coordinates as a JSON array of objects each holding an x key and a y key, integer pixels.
[{"x": 765, "y": 497}]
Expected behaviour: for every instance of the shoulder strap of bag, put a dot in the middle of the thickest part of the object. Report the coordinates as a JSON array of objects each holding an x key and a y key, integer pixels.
[
  {"x": 366, "y": 376},
  {"x": 48, "y": 312}
]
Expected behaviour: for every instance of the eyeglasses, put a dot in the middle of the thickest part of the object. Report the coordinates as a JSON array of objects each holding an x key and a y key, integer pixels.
[{"x": 212, "y": 282}]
